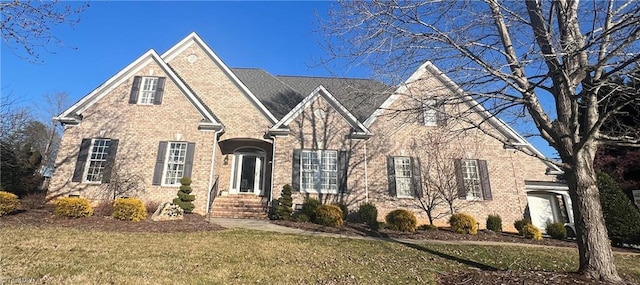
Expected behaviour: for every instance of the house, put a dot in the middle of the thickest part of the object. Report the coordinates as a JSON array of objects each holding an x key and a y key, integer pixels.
[{"x": 242, "y": 134}]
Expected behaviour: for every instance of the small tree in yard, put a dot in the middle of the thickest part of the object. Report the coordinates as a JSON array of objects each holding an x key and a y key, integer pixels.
[
  {"x": 285, "y": 203},
  {"x": 185, "y": 199}
]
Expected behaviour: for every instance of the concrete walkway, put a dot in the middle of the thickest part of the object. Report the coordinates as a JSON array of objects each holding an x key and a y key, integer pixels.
[{"x": 265, "y": 225}]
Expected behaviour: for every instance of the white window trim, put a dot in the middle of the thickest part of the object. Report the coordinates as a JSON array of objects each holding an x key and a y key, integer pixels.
[
  {"x": 88, "y": 162},
  {"x": 166, "y": 163},
  {"x": 470, "y": 194},
  {"x": 141, "y": 90},
  {"x": 319, "y": 153},
  {"x": 236, "y": 165},
  {"x": 410, "y": 177}
]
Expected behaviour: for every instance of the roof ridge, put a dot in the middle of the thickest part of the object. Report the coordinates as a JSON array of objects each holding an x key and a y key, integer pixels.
[{"x": 328, "y": 77}]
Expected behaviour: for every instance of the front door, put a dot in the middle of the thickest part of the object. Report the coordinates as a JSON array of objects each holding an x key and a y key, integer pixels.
[{"x": 248, "y": 172}]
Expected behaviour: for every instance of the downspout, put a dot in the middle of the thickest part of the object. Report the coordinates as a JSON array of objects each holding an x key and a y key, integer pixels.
[
  {"x": 366, "y": 175},
  {"x": 213, "y": 163},
  {"x": 273, "y": 160}
]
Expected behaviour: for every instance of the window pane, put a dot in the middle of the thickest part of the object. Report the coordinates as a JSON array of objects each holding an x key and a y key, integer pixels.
[
  {"x": 148, "y": 90},
  {"x": 319, "y": 170},
  {"x": 402, "y": 167},
  {"x": 175, "y": 161},
  {"x": 471, "y": 178}
]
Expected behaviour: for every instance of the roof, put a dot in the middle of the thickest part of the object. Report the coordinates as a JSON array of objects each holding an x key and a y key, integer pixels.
[{"x": 280, "y": 93}]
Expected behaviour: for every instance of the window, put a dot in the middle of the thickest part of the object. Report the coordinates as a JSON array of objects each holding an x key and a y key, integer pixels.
[
  {"x": 473, "y": 179},
  {"x": 148, "y": 90},
  {"x": 404, "y": 176},
  {"x": 95, "y": 160},
  {"x": 433, "y": 113},
  {"x": 319, "y": 171},
  {"x": 175, "y": 162}
]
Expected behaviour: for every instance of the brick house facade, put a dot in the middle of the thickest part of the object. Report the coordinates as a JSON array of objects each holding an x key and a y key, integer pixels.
[{"x": 242, "y": 134}]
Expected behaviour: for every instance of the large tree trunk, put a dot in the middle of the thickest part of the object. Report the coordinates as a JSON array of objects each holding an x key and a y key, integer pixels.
[{"x": 594, "y": 247}]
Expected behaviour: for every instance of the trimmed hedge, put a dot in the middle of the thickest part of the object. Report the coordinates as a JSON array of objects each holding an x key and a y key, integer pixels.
[
  {"x": 129, "y": 209},
  {"x": 401, "y": 220},
  {"x": 494, "y": 223},
  {"x": 73, "y": 207},
  {"x": 368, "y": 213},
  {"x": 329, "y": 215},
  {"x": 8, "y": 203},
  {"x": 531, "y": 232},
  {"x": 463, "y": 223},
  {"x": 556, "y": 230}
]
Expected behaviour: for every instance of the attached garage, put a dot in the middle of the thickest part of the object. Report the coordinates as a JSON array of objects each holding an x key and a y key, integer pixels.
[{"x": 549, "y": 202}]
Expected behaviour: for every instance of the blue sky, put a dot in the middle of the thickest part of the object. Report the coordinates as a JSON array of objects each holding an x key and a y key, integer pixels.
[{"x": 280, "y": 37}]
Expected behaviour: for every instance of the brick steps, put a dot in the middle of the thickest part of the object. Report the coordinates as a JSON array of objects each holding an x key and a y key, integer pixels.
[{"x": 239, "y": 207}]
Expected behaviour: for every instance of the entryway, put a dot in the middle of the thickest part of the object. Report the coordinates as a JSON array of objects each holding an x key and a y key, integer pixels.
[{"x": 248, "y": 171}]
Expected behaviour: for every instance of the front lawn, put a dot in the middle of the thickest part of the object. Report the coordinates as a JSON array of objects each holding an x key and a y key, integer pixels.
[{"x": 55, "y": 255}]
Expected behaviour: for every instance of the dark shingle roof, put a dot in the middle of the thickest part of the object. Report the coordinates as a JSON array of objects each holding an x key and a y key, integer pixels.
[{"x": 280, "y": 94}]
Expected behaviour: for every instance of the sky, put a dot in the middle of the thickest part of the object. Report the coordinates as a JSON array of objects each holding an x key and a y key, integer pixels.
[{"x": 281, "y": 37}]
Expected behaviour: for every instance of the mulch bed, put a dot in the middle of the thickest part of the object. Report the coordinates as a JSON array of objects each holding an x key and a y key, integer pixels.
[{"x": 44, "y": 217}]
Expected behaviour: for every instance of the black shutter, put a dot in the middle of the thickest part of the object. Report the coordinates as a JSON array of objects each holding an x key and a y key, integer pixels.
[
  {"x": 157, "y": 99},
  {"x": 462, "y": 190},
  {"x": 188, "y": 162},
  {"x": 135, "y": 89},
  {"x": 416, "y": 177},
  {"x": 157, "y": 171},
  {"x": 484, "y": 179},
  {"x": 441, "y": 115},
  {"x": 295, "y": 170},
  {"x": 343, "y": 165},
  {"x": 81, "y": 160},
  {"x": 111, "y": 159},
  {"x": 391, "y": 175}
]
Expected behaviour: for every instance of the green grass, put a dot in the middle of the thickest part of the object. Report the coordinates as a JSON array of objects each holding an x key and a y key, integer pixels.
[{"x": 68, "y": 256}]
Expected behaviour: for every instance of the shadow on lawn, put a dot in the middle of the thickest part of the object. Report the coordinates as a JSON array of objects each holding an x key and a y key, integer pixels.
[{"x": 469, "y": 263}]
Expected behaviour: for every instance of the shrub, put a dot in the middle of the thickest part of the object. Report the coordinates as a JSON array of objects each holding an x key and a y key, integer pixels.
[
  {"x": 301, "y": 218},
  {"x": 557, "y": 230},
  {"x": 309, "y": 207},
  {"x": 105, "y": 208},
  {"x": 531, "y": 232},
  {"x": 129, "y": 209},
  {"x": 401, "y": 220},
  {"x": 343, "y": 207},
  {"x": 428, "y": 227},
  {"x": 381, "y": 226},
  {"x": 368, "y": 213},
  {"x": 8, "y": 203},
  {"x": 185, "y": 199},
  {"x": 621, "y": 217},
  {"x": 285, "y": 203},
  {"x": 329, "y": 215},
  {"x": 33, "y": 201},
  {"x": 73, "y": 207},
  {"x": 463, "y": 223},
  {"x": 519, "y": 225},
  {"x": 494, "y": 223}
]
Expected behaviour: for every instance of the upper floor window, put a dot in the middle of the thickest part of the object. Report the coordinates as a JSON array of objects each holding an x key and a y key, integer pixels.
[
  {"x": 473, "y": 179},
  {"x": 319, "y": 171},
  {"x": 147, "y": 90},
  {"x": 404, "y": 176},
  {"x": 95, "y": 160},
  {"x": 433, "y": 113}
]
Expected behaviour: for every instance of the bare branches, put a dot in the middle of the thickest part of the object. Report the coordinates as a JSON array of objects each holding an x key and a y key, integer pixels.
[{"x": 26, "y": 25}]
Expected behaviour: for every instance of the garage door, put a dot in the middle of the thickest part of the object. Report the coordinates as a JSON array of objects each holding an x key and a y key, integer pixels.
[{"x": 542, "y": 208}]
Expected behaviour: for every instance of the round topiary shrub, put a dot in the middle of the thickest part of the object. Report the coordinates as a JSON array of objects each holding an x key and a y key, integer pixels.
[
  {"x": 329, "y": 215},
  {"x": 285, "y": 204},
  {"x": 309, "y": 207},
  {"x": 401, "y": 220},
  {"x": 343, "y": 207},
  {"x": 129, "y": 209},
  {"x": 519, "y": 225},
  {"x": 556, "y": 230},
  {"x": 494, "y": 223},
  {"x": 185, "y": 199},
  {"x": 73, "y": 207},
  {"x": 463, "y": 223},
  {"x": 368, "y": 213},
  {"x": 8, "y": 203},
  {"x": 531, "y": 232}
]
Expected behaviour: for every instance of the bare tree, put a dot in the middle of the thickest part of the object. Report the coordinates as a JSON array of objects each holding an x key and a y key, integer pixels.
[
  {"x": 54, "y": 104},
  {"x": 546, "y": 61},
  {"x": 26, "y": 25}
]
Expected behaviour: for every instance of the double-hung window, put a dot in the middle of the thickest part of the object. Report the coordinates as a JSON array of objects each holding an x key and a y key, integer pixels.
[
  {"x": 95, "y": 160},
  {"x": 473, "y": 179},
  {"x": 404, "y": 176},
  {"x": 319, "y": 171},
  {"x": 433, "y": 113},
  {"x": 148, "y": 90},
  {"x": 174, "y": 161}
]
